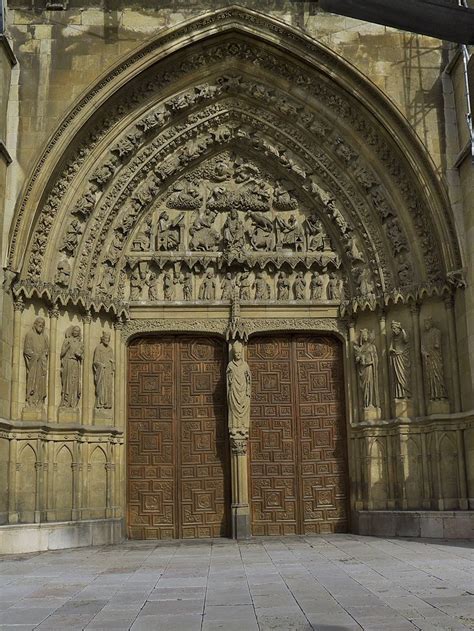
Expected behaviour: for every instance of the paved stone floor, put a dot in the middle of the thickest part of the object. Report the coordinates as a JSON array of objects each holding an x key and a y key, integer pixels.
[{"x": 334, "y": 583}]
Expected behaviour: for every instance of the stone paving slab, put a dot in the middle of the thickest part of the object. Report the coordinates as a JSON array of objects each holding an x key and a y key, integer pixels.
[{"x": 325, "y": 583}]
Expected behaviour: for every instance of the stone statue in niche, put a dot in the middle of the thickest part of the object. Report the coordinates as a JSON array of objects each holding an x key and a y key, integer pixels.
[
  {"x": 35, "y": 352},
  {"x": 289, "y": 233},
  {"x": 227, "y": 287},
  {"x": 315, "y": 233},
  {"x": 188, "y": 286},
  {"x": 400, "y": 361},
  {"x": 245, "y": 285},
  {"x": 207, "y": 290},
  {"x": 71, "y": 238},
  {"x": 316, "y": 286},
  {"x": 239, "y": 382},
  {"x": 169, "y": 232},
  {"x": 234, "y": 232},
  {"x": 72, "y": 352},
  {"x": 169, "y": 283},
  {"x": 63, "y": 273},
  {"x": 299, "y": 286},
  {"x": 262, "y": 288},
  {"x": 261, "y": 234},
  {"x": 153, "y": 285},
  {"x": 283, "y": 287},
  {"x": 334, "y": 287},
  {"x": 142, "y": 240},
  {"x": 367, "y": 360},
  {"x": 204, "y": 237},
  {"x": 103, "y": 365},
  {"x": 432, "y": 354}
]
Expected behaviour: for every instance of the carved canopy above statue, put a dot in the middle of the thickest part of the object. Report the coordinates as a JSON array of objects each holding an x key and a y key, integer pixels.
[{"x": 233, "y": 145}]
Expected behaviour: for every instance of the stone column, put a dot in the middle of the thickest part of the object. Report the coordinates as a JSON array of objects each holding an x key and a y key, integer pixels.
[
  {"x": 453, "y": 353},
  {"x": 53, "y": 363},
  {"x": 419, "y": 400},
  {"x": 387, "y": 411},
  {"x": 463, "y": 501},
  {"x": 119, "y": 376},
  {"x": 240, "y": 495},
  {"x": 353, "y": 377},
  {"x": 391, "y": 464},
  {"x": 18, "y": 307},
  {"x": 87, "y": 371},
  {"x": 426, "y": 473},
  {"x": 12, "y": 469}
]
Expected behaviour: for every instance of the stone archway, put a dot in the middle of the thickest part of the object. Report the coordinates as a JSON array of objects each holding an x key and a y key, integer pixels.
[{"x": 231, "y": 176}]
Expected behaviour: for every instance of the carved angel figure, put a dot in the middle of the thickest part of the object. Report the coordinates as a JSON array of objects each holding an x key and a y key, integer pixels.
[
  {"x": 103, "y": 365},
  {"x": 35, "y": 352},
  {"x": 400, "y": 361},
  {"x": 72, "y": 352},
  {"x": 169, "y": 231},
  {"x": 367, "y": 360},
  {"x": 283, "y": 287},
  {"x": 432, "y": 353},
  {"x": 207, "y": 290},
  {"x": 239, "y": 381}
]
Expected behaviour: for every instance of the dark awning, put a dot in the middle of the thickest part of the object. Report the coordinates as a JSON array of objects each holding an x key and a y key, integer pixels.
[{"x": 437, "y": 18}]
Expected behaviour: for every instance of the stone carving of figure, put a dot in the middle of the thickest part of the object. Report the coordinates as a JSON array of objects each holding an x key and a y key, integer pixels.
[
  {"x": 204, "y": 237},
  {"x": 207, "y": 290},
  {"x": 366, "y": 284},
  {"x": 334, "y": 287},
  {"x": 141, "y": 242},
  {"x": 234, "y": 232},
  {"x": 261, "y": 234},
  {"x": 299, "y": 286},
  {"x": 108, "y": 278},
  {"x": 169, "y": 283},
  {"x": 262, "y": 288},
  {"x": 316, "y": 286},
  {"x": 366, "y": 358},
  {"x": 71, "y": 238},
  {"x": 188, "y": 286},
  {"x": 35, "y": 352},
  {"x": 400, "y": 361},
  {"x": 103, "y": 365},
  {"x": 63, "y": 273},
  {"x": 245, "y": 285},
  {"x": 168, "y": 231},
  {"x": 227, "y": 287},
  {"x": 136, "y": 285},
  {"x": 238, "y": 389},
  {"x": 283, "y": 287},
  {"x": 72, "y": 352},
  {"x": 315, "y": 233},
  {"x": 432, "y": 353},
  {"x": 290, "y": 233},
  {"x": 152, "y": 283}
]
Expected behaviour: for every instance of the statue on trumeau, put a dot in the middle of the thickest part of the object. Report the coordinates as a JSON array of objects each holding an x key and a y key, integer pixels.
[
  {"x": 103, "y": 365},
  {"x": 35, "y": 352},
  {"x": 367, "y": 360},
  {"x": 400, "y": 361},
  {"x": 238, "y": 389},
  {"x": 72, "y": 352},
  {"x": 432, "y": 354}
]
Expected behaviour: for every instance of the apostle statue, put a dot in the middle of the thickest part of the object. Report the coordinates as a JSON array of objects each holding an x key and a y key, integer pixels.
[
  {"x": 35, "y": 352},
  {"x": 400, "y": 361},
  {"x": 103, "y": 365},
  {"x": 238, "y": 389},
  {"x": 367, "y": 360},
  {"x": 72, "y": 352},
  {"x": 432, "y": 353}
]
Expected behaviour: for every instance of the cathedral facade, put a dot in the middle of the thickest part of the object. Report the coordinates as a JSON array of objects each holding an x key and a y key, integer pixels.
[{"x": 237, "y": 256}]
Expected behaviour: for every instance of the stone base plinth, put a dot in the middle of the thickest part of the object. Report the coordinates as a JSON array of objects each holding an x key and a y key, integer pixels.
[
  {"x": 426, "y": 524},
  {"x": 404, "y": 408},
  {"x": 438, "y": 407},
  {"x": 240, "y": 521},
  {"x": 102, "y": 417},
  {"x": 19, "y": 538},
  {"x": 68, "y": 415},
  {"x": 34, "y": 414},
  {"x": 372, "y": 414}
]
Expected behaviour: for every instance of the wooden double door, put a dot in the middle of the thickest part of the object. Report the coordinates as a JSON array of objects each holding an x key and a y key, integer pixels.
[
  {"x": 297, "y": 451},
  {"x": 178, "y": 454}
]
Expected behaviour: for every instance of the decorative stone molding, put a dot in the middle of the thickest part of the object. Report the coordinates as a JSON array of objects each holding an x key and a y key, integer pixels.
[{"x": 239, "y": 440}]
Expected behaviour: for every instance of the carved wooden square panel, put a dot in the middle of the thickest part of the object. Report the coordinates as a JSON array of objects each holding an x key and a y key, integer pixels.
[
  {"x": 297, "y": 447},
  {"x": 178, "y": 454}
]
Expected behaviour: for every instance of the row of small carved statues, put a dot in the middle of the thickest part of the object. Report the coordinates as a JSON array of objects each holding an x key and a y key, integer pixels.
[
  {"x": 241, "y": 285},
  {"x": 36, "y": 354}
]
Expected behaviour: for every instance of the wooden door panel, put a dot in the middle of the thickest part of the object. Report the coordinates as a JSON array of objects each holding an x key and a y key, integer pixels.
[
  {"x": 297, "y": 452},
  {"x": 178, "y": 457}
]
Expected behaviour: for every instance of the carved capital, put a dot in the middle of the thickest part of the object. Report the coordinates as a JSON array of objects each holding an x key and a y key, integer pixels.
[
  {"x": 19, "y": 304},
  {"x": 53, "y": 311},
  {"x": 238, "y": 440},
  {"x": 87, "y": 317}
]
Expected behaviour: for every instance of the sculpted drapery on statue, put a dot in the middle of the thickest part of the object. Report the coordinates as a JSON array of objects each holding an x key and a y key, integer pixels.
[
  {"x": 400, "y": 361},
  {"x": 35, "y": 352},
  {"x": 366, "y": 358},
  {"x": 103, "y": 365},
  {"x": 432, "y": 353},
  {"x": 238, "y": 389},
  {"x": 72, "y": 352}
]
